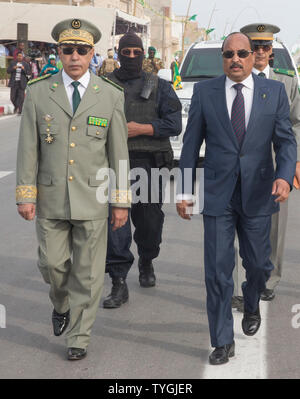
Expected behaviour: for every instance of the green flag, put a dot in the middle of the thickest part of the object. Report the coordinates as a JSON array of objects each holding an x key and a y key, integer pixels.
[
  {"x": 141, "y": 2},
  {"x": 209, "y": 30},
  {"x": 193, "y": 18},
  {"x": 223, "y": 37},
  {"x": 176, "y": 77}
]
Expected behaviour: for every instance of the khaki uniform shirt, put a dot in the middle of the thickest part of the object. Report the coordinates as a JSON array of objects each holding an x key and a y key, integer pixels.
[
  {"x": 60, "y": 154},
  {"x": 148, "y": 66}
]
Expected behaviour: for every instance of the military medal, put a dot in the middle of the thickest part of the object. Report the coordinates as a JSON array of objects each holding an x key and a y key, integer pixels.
[{"x": 49, "y": 139}]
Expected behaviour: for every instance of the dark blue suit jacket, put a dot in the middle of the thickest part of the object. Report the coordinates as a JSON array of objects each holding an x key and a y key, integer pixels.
[{"x": 225, "y": 160}]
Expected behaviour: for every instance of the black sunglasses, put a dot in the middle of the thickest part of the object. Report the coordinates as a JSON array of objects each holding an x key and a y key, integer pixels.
[
  {"x": 265, "y": 47},
  {"x": 81, "y": 50},
  {"x": 240, "y": 53},
  {"x": 127, "y": 52}
]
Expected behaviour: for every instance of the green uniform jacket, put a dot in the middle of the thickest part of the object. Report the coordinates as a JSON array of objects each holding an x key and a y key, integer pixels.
[
  {"x": 60, "y": 176},
  {"x": 292, "y": 91}
]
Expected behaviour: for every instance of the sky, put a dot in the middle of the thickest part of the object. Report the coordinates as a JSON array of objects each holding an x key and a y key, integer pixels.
[{"x": 231, "y": 15}]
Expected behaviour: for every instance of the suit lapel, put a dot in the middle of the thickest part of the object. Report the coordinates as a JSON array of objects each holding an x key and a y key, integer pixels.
[
  {"x": 59, "y": 94},
  {"x": 218, "y": 98},
  {"x": 260, "y": 96},
  {"x": 90, "y": 97}
]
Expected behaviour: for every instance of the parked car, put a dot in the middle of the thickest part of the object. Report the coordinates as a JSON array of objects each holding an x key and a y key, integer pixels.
[{"x": 203, "y": 60}]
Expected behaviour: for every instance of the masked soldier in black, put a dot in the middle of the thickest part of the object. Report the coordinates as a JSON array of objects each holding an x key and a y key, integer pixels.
[{"x": 153, "y": 113}]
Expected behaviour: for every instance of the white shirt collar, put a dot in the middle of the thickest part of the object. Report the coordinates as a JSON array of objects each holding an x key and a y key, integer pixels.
[
  {"x": 266, "y": 71},
  {"x": 84, "y": 80},
  {"x": 248, "y": 82}
]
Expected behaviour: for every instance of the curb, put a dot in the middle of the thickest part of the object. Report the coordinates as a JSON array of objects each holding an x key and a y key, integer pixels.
[{"x": 6, "y": 109}]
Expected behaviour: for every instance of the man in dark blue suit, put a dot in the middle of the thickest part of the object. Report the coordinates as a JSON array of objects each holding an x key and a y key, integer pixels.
[{"x": 240, "y": 117}]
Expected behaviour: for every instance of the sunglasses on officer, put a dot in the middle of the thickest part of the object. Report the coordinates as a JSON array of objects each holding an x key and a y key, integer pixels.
[
  {"x": 264, "y": 47},
  {"x": 240, "y": 53},
  {"x": 129, "y": 51},
  {"x": 81, "y": 50}
]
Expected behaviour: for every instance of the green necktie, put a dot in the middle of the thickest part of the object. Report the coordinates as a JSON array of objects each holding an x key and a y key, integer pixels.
[
  {"x": 76, "y": 96},
  {"x": 262, "y": 74}
]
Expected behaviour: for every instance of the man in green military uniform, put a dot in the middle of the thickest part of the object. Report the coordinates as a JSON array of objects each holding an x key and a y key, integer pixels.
[
  {"x": 152, "y": 64},
  {"x": 262, "y": 36},
  {"x": 73, "y": 125}
]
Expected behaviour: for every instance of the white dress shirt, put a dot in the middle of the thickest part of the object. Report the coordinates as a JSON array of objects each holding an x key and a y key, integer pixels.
[
  {"x": 230, "y": 91},
  {"x": 266, "y": 71},
  {"x": 84, "y": 82},
  {"x": 247, "y": 90}
]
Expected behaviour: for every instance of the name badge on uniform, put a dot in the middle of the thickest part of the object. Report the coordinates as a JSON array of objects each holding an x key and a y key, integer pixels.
[{"x": 95, "y": 121}]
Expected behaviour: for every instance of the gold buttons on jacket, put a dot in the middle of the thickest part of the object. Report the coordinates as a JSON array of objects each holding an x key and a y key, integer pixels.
[
  {"x": 71, "y": 161},
  {"x": 71, "y": 178},
  {"x": 73, "y": 128},
  {"x": 72, "y": 145},
  {"x": 97, "y": 133}
]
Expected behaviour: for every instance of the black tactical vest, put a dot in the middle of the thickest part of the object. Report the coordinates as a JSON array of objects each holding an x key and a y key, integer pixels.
[{"x": 139, "y": 110}]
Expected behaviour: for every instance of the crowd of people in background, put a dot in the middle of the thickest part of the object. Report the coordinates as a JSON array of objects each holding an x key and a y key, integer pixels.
[
  {"x": 29, "y": 61},
  {"x": 42, "y": 58}
]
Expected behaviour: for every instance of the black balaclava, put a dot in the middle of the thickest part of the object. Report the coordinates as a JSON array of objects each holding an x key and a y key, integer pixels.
[{"x": 131, "y": 68}]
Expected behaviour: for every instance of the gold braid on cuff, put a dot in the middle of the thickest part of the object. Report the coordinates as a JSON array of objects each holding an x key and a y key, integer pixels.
[
  {"x": 120, "y": 196},
  {"x": 26, "y": 193}
]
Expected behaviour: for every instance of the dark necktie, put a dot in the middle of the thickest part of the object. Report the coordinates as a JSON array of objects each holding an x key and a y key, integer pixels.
[
  {"x": 262, "y": 74},
  {"x": 238, "y": 114},
  {"x": 76, "y": 96}
]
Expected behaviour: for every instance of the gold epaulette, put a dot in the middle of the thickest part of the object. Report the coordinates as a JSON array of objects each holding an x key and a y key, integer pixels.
[
  {"x": 286, "y": 72},
  {"x": 120, "y": 197},
  {"x": 25, "y": 193},
  {"x": 112, "y": 83},
  {"x": 39, "y": 78}
]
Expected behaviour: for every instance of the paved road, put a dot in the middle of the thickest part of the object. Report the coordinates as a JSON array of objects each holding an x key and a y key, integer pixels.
[{"x": 162, "y": 332}]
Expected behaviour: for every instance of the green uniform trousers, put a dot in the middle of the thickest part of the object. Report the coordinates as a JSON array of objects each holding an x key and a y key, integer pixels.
[{"x": 72, "y": 257}]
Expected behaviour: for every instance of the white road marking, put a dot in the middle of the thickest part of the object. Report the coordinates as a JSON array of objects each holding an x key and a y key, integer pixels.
[
  {"x": 3, "y": 118},
  {"x": 249, "y": 361},
  {"x": 3, "y": 174}
]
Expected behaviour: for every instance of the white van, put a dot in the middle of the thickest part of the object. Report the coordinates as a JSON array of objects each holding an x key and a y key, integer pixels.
[{"x": 203, "y": 60}]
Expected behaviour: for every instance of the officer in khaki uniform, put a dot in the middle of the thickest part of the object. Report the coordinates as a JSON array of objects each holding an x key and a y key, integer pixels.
[
  {"x": 262, "y": 36},
  {"x": 73, "y": 125}
]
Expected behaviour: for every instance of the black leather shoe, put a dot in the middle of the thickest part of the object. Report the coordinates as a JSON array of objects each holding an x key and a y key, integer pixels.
[
  {"x": 237, "y": 302},
  {"x": 76, "y": 353},
  {"x": 147, "y": 277},
  {"x": 222, "y": 354},
  {"x": 251, "y": 322},
  {"x": 118, "y": 296},
  {"x": 267, "y": 295},
  {"x": 60, "y": 322}
]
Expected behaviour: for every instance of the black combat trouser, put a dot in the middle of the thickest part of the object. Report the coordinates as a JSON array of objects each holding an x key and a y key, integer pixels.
[
  {"x": 147, "y": 218},
  {"x": 17, "y": 95}
]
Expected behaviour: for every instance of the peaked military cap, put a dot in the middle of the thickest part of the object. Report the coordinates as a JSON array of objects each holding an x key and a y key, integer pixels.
[
  {"x": 260, "y": 33},
  {"x": 76, "y": 31}
]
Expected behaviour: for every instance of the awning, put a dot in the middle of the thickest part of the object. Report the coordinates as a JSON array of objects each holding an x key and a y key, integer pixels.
[{"x": 41, "y": 18}]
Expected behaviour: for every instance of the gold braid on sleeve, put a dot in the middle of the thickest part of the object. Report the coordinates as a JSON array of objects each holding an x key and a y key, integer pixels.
[
  {"x": 25, "y": 193},
  {"x": 120, "y": 197}
]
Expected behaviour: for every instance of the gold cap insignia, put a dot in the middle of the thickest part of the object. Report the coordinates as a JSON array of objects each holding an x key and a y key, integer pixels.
[
  {"x": 76, "y": 24},
  {"x": 261, "y": 28}
]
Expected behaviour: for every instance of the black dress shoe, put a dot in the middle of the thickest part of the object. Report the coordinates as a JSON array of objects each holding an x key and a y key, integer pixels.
[
  {"x": 267, "y": 295},
  {"x": 237, "y": 302},
  {"x": 76, "y": 353},
  {"x": 147, "y": 277},
  {"x": 60, "y": 322},
  {"x": 222, "y": 354},
  {"x": 251, "y": 322},
  {"x": 118, "y": 296}
]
